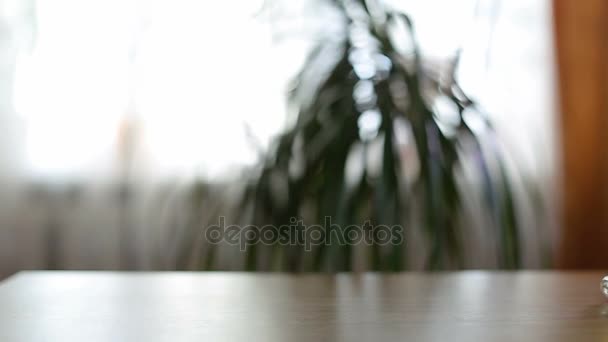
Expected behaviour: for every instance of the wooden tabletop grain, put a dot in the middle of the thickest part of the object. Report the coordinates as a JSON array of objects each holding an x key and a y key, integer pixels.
[{"x": 465, "y": 306}]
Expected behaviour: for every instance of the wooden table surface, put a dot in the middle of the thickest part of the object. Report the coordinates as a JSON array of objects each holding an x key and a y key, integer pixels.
[{"x": 465, "y": 306}]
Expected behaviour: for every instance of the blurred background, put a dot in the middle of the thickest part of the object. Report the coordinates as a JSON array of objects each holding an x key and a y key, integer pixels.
[{"x": 127, "y": 127}]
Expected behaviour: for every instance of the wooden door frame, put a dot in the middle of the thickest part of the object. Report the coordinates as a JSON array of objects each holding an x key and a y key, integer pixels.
[{"x": 581, "y": 41}]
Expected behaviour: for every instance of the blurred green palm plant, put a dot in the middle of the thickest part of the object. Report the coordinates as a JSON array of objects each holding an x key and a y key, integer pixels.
[{"x": 358, "y": 98}]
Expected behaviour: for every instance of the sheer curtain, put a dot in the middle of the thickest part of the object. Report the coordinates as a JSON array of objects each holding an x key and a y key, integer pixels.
[
  {"x": 110, "y": 109},
  {"x": 155, "y": 82}
]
